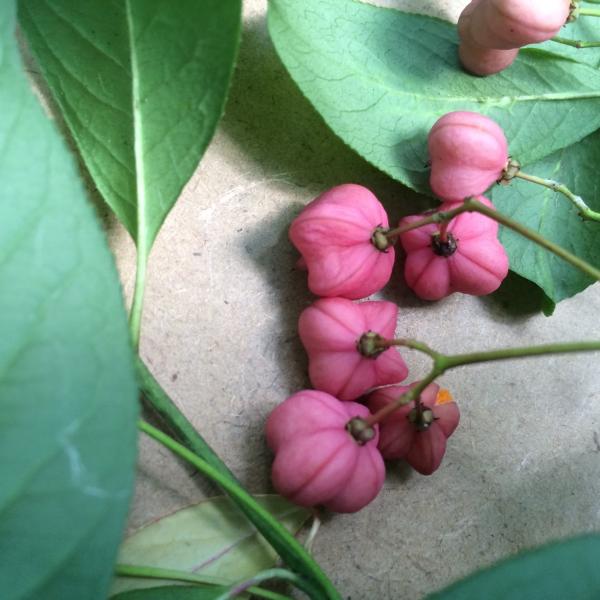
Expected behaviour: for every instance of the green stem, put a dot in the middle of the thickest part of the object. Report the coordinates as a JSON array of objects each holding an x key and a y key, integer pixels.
[
  {"x": 314, "y": 582},
  {"x": 590, "y": 12},
  {"x": 472, "y": 205},
  {"x": 411, "y": 396},
  {"x": 436, "y": 217},
  {"x": 138, "y": 571},
  {"x": 444, "y": 362},
  {"x": 408, "y": 343},
  {"x": 248, "y": 585},
  {"x": 175, "y": 421},
  {"x": 458, "y": 360},
  {"x": 575, "y": 43},
  {"x": 135, "y": 315},
  {"x": 475, "y": 206},
  {"x": 584, "y": 210}
]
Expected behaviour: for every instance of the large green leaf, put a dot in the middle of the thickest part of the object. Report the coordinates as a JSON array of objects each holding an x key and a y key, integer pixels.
[
  {"x": 562, "y": 571},
  {"x": 141, "y": 85},
  {"x": 552, "y": 215},
  {"x": 380, "y": 78},
  {"x": 68, "y": 399},
  {"x": 212, "y": 539}
]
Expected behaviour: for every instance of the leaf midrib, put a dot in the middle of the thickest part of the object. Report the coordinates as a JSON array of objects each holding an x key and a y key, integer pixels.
[{"x": 140, "y": 188}]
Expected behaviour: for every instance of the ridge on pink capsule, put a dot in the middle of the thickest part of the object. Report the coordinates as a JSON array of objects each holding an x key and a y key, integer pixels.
[
  {"x": 468, "y": 153},
  {"x": 317, "y": 460},
  {"x": 335, "y": 235},
  {"x": 400, "y": 437},
  {"x": 472, "y": 261},
  {"x": 331, "y": 329}
]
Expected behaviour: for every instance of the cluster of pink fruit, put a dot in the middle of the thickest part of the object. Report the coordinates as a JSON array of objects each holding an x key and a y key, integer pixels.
[
  {"x": 492, "y": 31},
  {"x": 329, "y": 448},
  {"x": 347, "y": 246}
]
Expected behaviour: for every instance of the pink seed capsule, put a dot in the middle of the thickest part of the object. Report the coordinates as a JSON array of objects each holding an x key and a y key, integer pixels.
[
  {"x": 418, "y": 439},
  {"x": 508, "y": 24},
  {"x": 471, "y": 260},
  {"x": 476, "y": 58},
  {"x": 340, "y": 237},
  {"x": 318, "y": 461},
  {"x": 484, "y": 61},
  {"x": 336, "y": 334},
  {"x": 468, "y": 153}
]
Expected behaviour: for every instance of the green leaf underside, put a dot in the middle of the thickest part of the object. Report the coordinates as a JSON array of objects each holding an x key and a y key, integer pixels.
[
  {"x": 68, "y": 399},
  {"x": 552, "y": 215},
  {"x": 561, "y": 571},
  {"x": 211, "y": 538},
  {"x": 380, "y": 78},
  {"x": 141, "y": 85},
  {"x": 173, "y": 593}
]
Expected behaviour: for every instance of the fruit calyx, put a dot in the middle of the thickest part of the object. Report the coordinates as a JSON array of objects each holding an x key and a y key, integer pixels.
[
  {"x": 370, "y": 344},
  {"x": 445, "y": 248},
  {"x": 421, "y": 418},
  {"x": 380, "y": 240},
  {"x": 360, "y": 430},
  {"x": 511, "y": 170}
]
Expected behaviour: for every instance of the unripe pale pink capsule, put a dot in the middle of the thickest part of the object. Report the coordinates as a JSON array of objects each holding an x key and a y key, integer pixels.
[
  {"x": 334, "y": 234},
  {"x": 472, "y": 261},
  {"x": 508, "y": 24},
  {"x": 422, "y": 445},
  {"x": 468, "y": 153},
  {"x": 331, "y": 330},
  {"x": 318, "y": 462}
]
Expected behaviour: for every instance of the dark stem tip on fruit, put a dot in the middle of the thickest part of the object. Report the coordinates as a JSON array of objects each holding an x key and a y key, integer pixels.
[
  {"x": 360, "y": 431},
  {"x": 444, "y": 248},
  {"x": 370, "y": 344},
  {"x": 421, "y": 419},
  {"x": 380, "y": 240}
]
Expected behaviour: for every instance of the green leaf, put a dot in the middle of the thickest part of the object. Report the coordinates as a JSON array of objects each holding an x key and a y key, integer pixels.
[
  {"x": 141, "y": 85},
  {"x": 173, "y": 592},
  {"x": 68, "y": 397},
  {"x": 561, "y": 571},
  {"x": 314, "y": 581},
  {"x": 553, "y": 216},
  {"x": 584, "y": 29},
  {"x": 380, "y": 78},
  {"x": 208, "y": 539}
]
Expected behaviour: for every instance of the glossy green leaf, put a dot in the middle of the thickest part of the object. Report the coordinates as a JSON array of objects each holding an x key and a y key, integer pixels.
[
  {"x": 209, "y": 539},
  {"x": 173, "y": 592},
  {"x": 561, "y": 571},
  {"x": 380, "y": 78},
  {"x": 68, "y": 399},
  {"x": 141, "y": 85},
  {"x": 553, "y": 216}
]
